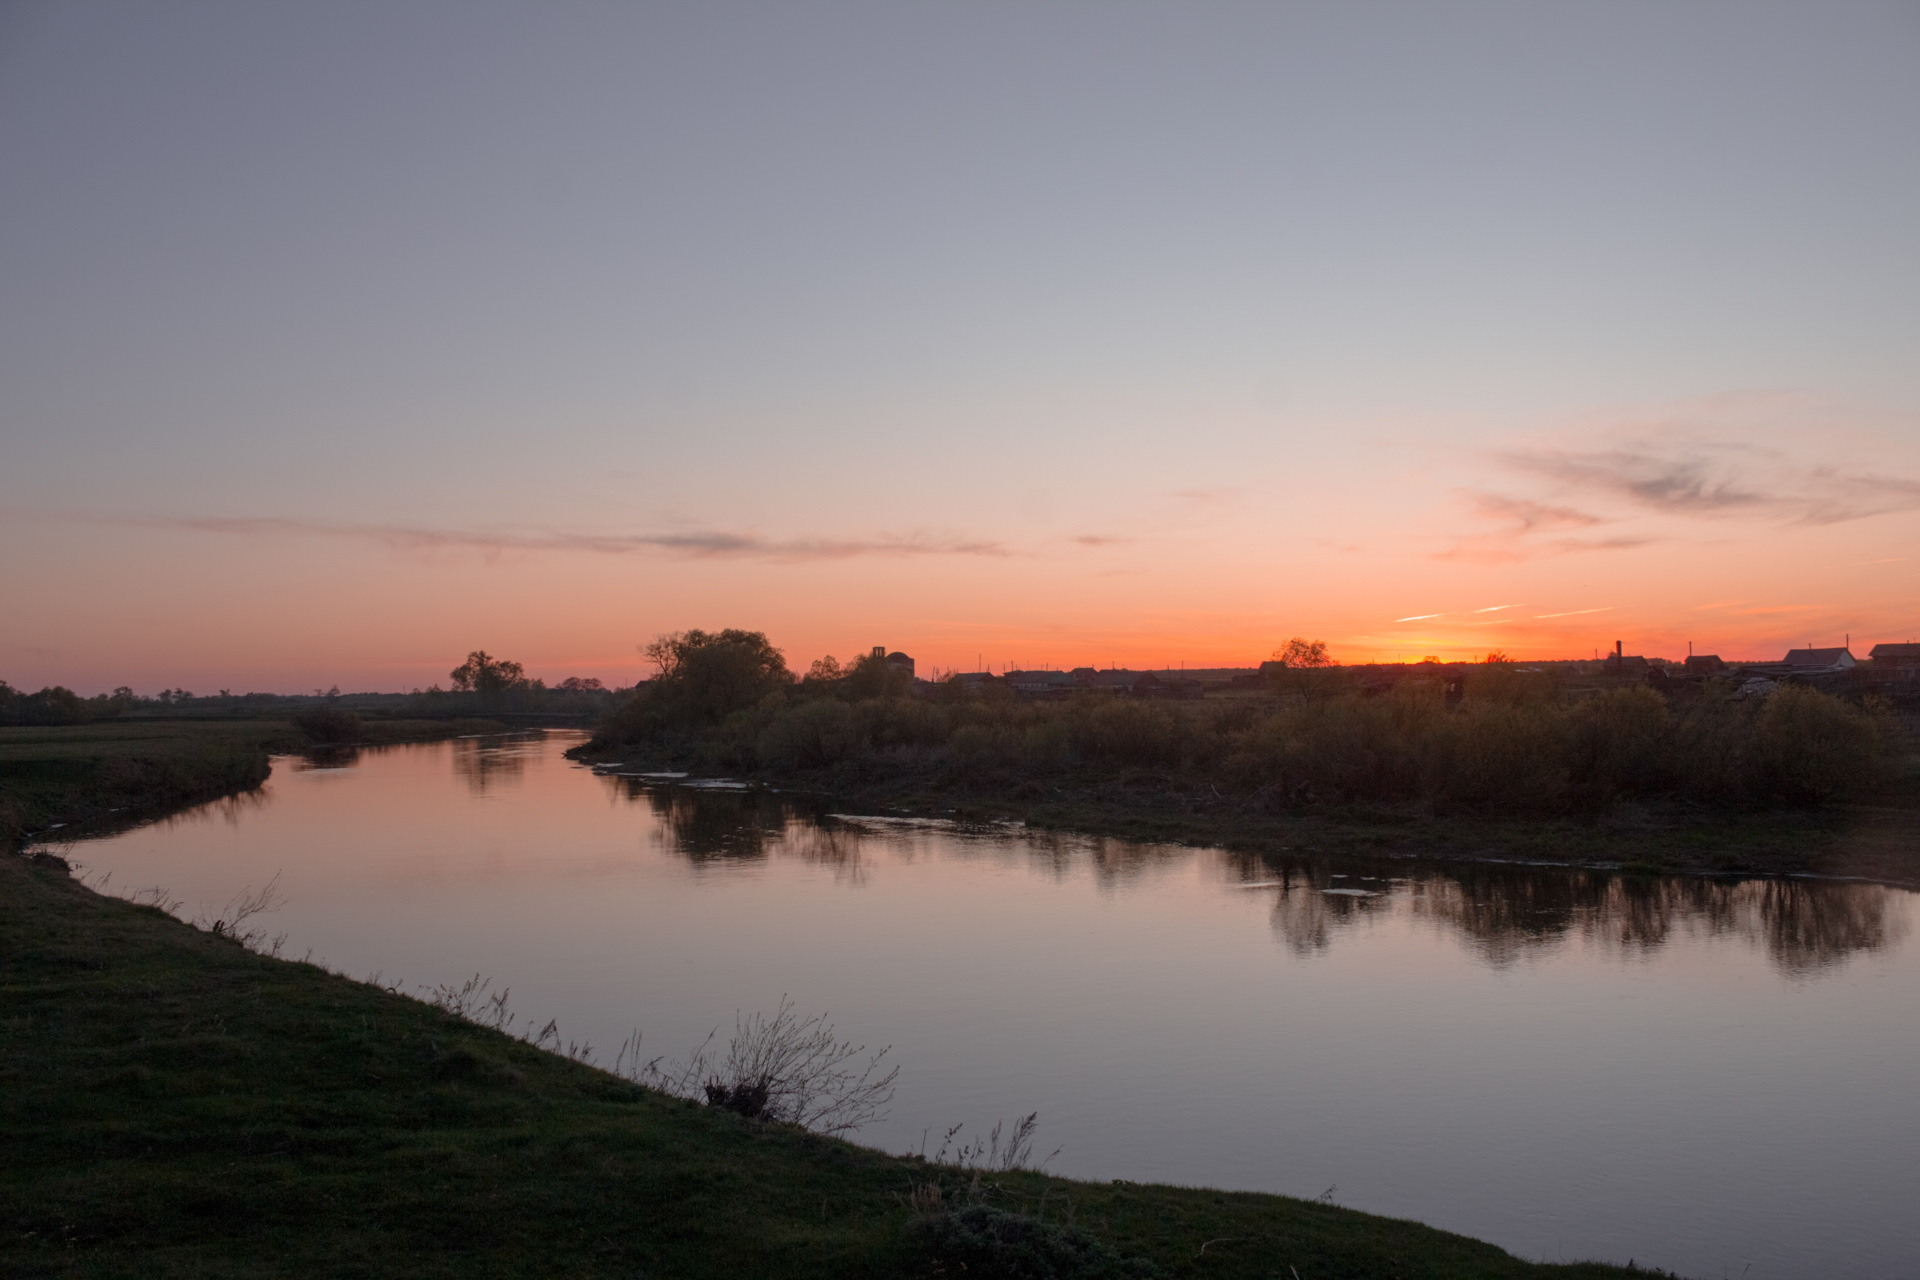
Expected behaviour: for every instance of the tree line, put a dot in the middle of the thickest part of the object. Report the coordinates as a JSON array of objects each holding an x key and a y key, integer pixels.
[{"x": 1498, "y": 741}]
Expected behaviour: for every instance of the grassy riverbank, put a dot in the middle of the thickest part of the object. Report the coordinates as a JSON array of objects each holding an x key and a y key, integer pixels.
[
  {"x": 91, "y": 777},
  {"x": 177, "y": 1105}
]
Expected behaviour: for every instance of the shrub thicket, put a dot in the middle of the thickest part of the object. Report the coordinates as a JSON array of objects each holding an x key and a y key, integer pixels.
[
  {"x": 994, "y": 1244},
  {"x": 57, "y": 704},
  {"x": 1508, "y": 742}
]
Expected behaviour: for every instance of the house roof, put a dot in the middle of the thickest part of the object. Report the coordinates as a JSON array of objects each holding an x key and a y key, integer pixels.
[
  {"x": 1040, "y": 679},
  {"x": 1819, "y": 659},
  {"x": 1895, "y": 651}
]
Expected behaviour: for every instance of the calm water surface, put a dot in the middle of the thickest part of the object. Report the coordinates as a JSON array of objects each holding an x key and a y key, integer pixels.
[{"x": 1720, "y": 1079}]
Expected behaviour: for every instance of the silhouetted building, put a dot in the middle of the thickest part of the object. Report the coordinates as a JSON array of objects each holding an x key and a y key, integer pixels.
[
  {"x": 1704, "y": 664},
  {"x": 1896, "y": 661},
  {"x": 1806, "y": 662},
  {"x": 1042, "y": 684}
]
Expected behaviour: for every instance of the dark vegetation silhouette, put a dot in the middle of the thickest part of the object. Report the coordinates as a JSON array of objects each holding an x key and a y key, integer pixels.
[
  {"x": 482, "y": 685},
  {"x": 1486, "y": 739}
]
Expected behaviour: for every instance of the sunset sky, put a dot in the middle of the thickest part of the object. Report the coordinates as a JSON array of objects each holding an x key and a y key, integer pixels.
[{"x": 338, "y": 340}]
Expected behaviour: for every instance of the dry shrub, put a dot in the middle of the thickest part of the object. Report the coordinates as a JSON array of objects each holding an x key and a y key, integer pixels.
[
  {"x": 813, "y": 735},
  {"x": 1498, "y": 756},
  {"x": 1816, "y": 748},
  {"x": 785, "y": 1068},
  {"x": 1621, "y": 741}
]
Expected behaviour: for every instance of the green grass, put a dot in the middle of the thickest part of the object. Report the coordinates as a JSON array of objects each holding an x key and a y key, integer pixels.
[{"x": 175, "y": 1105}]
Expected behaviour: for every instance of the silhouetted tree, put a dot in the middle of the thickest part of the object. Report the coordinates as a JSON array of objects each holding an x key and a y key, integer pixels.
[
  {"x": 488, "y": 676},
  {"x": 704, "y": 676},
  {"x": 1303, "y": 653},
  {"x": 872, "y": 676}
]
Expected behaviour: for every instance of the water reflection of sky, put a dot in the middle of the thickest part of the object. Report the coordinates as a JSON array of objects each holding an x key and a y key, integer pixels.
[{"x": 1701, "y": 1074}]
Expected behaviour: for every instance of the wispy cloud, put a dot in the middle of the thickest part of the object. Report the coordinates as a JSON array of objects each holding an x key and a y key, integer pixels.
[
  {"x": 709, "y": 542},
  {"x": 1520, "y": 520},
  {"x": 1211, "y": 496},
  {"x": 1528, "y": 516},
  {"x": 1711, "y": 478},
  {"x": 1574, "y": 613},
  {"x": 1671, "y": 474},
  {"x": 1098, "y": 540}
]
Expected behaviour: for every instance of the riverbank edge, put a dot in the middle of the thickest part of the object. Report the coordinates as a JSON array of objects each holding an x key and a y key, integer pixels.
[
  {"x": 179, "y": 1105},
  {"x": 1871, "y": 843},
  {"x": 91, "y": 780}
]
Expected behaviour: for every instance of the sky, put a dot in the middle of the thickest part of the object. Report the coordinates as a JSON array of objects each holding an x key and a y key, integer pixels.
[{"x": 339, "y": 340}]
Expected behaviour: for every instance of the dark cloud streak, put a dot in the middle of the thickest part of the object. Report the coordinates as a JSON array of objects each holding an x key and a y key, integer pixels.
[
  {"x": 699, "y": 543},
  {"x": 1711, "y": 480}
]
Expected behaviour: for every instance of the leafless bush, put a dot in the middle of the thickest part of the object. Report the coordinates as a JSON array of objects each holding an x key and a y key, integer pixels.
[
  {"x": 470, "y": 1002},
  {"x": 231, "y": 922},
  {"x": 783, "y": 1067}
]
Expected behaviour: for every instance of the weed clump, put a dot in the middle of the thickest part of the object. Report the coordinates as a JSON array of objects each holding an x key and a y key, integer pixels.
[
  {"x": 786, "y": 1068},
  {"x": 993, "y": 1244}
]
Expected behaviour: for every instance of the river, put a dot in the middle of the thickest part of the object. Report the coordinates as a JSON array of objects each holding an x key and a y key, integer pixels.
[{"x": 1717, "y": 1077}]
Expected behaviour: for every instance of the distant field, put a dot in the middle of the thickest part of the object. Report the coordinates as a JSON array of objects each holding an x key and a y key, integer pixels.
[{"x": 144, "y": 738}]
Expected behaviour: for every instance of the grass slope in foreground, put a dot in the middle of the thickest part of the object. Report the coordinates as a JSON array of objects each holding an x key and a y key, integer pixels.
[{"x": 175, "y": 1105}]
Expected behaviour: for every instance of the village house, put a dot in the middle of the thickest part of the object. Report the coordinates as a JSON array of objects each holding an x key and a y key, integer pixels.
[
  {"x": 1808, "y": 662},
  {"x": 1042, "y": 684},
  {"x": 1896, "y": 661}
]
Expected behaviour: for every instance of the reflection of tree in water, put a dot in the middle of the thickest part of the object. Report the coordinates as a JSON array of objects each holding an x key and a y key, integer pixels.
[
  {"x": 1113, "y": 862},
  {"x": 1306, "y": 916},
  {"x": 710, "y": 826},
  {"x": 488, "y": 764},
  {"x": 1507, "y": 913},
  {"x": 705, "y": 826},
  {"x": 828, "y": 844},
  {"x": 1504, "y": 913},
  {"x": 1511, "y": 912},
  {"x": 1810, "y": 926},
  {"x": 326, "y": 758}
]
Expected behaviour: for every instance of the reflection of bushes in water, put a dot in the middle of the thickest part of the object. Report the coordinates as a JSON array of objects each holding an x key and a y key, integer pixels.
[
  {"x": 482, "y": 764},
  {"x": 328, "y": 723},
  {"x": 1511, "y": 746},
  {"x": 718, "y": 825},
  {"x": 1809, "y": 926},
  {"x": 326, "y": 758},
  {"x": 1306, "y": 916},
  {"x": 1508, "y": 913}
]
